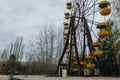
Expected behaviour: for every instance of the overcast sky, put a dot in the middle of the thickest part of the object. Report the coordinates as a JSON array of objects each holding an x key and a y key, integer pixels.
[{"x": 25, "y": 17}]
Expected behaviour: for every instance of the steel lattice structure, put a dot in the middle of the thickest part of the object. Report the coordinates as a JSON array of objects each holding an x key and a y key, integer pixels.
[{"x": 80, "y": 29}]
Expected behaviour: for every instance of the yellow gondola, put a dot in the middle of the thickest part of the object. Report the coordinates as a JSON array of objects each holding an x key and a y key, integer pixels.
[
  {"x": 65, "y": 37},
  {"x": 101, "y": 25},
  {"x": 90, "y": 65},
  {"x": 75, "y": 62},
  {"x": 76, "y": 70},
  {"x": 65, "y": 23},
  {"x": 65, "y": 33},
  {"x": 103, "y": 33},
  {"x": 83, "y": 63},
  {"x": 66, "y": 27},
  {"x": 68, "y": 56},
  {"x": 105, "y": 11},
  {"x": 89, "y": 57},
  {"x": 104, "y": 4},
  {"x": 67, "y": 15},
  {"x": 68, "y": 50},
  {"x": 97, "y": 52},
  {"x": 69, "y": 5},
  {"x": 96, "y": 44}
]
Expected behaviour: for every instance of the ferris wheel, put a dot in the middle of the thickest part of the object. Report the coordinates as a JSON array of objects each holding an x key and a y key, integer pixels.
[{"x": 82, "y": 35}]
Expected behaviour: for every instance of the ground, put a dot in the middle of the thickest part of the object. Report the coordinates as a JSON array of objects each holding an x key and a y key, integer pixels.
[{"x": 35, "y": 77}]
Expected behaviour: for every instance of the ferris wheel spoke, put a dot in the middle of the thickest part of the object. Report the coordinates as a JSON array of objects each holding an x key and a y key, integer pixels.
[
  {"x": 89, "y": 6},
  {"x": 79, "y": 12},
  {"x": 92, "y": 21},
  {"x": 95, "y": 34},
  {"x": 92, "y": 12},
  {"x": 80, "y": 34}
]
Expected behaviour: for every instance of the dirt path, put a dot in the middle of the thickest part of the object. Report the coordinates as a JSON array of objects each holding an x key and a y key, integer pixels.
[{"x": 4, "y": 77}]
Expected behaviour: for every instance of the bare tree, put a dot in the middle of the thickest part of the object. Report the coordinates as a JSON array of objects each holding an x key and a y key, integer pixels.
[
  {"x": 15, "y": 48},
  {"x": 4, "y": 55},
  {"x": 46, "y": 48},
  {"x": 50, "y": 43},
  {"x": 115, "y": 16}
]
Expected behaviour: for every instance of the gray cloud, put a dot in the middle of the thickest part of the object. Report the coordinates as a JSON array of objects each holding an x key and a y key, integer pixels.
[{"x": 23, "y": 17}]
